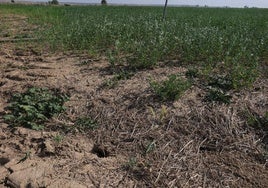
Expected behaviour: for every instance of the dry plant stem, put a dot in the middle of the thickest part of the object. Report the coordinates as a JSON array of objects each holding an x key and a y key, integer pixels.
[
  {"x": 201, "y": 145},
  {"x": 161, "y": 168},
  {"x": 185, "y": 146}
]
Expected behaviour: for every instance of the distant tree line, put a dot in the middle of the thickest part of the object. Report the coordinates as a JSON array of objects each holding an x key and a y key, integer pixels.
[
  {"x": 103, "y": 2},
  {"x": 53, "y": 2}
]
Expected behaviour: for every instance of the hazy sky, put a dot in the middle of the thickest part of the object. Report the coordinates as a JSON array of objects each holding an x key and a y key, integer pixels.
[{"x": 231, "y": 3}]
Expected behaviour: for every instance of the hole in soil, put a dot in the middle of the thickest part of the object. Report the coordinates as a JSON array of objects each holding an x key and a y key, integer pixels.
[
  {"x": 3, "y": 161},
  {"x": 2, "y": 83},
  {"x": 100, "y": 151}
]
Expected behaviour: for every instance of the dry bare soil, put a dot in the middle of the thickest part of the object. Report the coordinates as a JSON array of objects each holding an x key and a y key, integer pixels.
[{"x": 140, "y": 141}]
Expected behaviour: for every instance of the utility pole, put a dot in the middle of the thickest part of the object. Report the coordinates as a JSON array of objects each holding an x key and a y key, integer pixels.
[{"x": 165, "y": 10}]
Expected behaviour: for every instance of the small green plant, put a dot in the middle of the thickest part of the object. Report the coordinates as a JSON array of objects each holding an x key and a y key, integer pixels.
[
  {"x": 192, "y": 73},
  {"x": 34, "y": 107},
  {"x": 160, "y": 117},
  {"x": 124, "y": 75},
  {"x": 221, "y": 82},
  {"x": 243, "y": 76},
  {"x": 84, "y": 123},
  {"x": 121, "y": 75},
  {"x": 86, "y": 62},
  {"x": 219, "y": 96},
  {"x": 132, "y": 161},
  {"x": 150, "y": 147},
  {"x": 110, "y": 83},
  {"x": 172, "y": 88},
  {"x": 137, "y": 167},
  {"x": 142, "y": 60},
  {"x": 58, "y": 138},
  {"x": 258, "y": 122}
]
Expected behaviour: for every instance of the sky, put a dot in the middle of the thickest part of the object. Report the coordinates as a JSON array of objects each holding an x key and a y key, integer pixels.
[{"x": 221, "y": 3}]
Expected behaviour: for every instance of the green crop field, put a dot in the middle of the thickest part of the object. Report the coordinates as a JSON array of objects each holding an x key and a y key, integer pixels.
[{"x": 139, "y": 38}]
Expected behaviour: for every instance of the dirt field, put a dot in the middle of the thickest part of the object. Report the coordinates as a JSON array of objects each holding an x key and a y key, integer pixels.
[{"x": 140, "y": 141}]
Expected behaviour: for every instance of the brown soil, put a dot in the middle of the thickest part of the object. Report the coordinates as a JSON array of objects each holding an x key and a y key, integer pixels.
[{"x": 140, "y": 141}]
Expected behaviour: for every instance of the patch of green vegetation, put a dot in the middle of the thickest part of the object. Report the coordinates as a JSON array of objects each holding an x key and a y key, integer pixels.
[
  {"x": 132, "y": 162},
  {"x": 230, "y": 75},
  {"x": 192, "y": 72},
  {"x": 221, "y": 82},
  {"x": 172, "y": 88},
  {"x": 150, "y": 147},
  {"x": 121, "y": 75},
  {"x": 143, "y": 59},
  {"x": 110, "y": 83},
  {"x": 235, "y": 37},
  {"x": 243, "y": 75},
  {"x": 137, "y": 167},
  {"x": 258, "y": 122},
  {"x": 219, "y": 96},
  {"x": 34, "y": 107},
  {"x": 86, "y": 62},
  {"x": 84, "y": 123},
  {"x": 58, "y": 138}
]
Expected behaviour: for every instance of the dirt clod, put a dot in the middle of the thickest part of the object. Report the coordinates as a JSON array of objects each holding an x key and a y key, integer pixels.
[
  {"x": 47, "y": 148},
  {"x": 28, "y": 175}
]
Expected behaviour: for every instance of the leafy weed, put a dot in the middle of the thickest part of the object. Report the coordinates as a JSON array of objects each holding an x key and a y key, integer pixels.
[
  {"x": 219, "y": 96},
  {"x": 34, "y": 107},
  {"x": 170, "y": 89},
  {"x": 84, "y": 123}
]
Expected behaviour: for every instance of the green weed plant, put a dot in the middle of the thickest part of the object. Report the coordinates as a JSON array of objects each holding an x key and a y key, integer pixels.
[
  {"x": 258, "y": 122},
  {"x": 172, "y": 88},
  {"x": 86, "y": 123},
  {"x": 219, "y": 96},
  {"x": 34, "y": 107}
]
